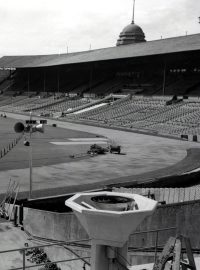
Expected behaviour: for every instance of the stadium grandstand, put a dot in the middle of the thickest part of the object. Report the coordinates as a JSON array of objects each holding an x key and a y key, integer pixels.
[{"x": 149, "y": 86}]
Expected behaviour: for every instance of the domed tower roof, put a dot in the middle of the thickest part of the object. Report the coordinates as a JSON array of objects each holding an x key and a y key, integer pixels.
[{"x": 132, "y": 33}]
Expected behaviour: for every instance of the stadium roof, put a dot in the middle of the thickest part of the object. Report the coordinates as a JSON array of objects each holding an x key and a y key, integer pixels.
[{"x": 157, "y": 47}]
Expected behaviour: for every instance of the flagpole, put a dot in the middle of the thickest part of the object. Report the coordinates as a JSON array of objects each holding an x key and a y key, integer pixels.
[{"x": 133, "y": 18}]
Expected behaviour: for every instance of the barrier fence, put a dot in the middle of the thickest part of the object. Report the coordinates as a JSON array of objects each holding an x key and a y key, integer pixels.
[
  {"x": 165, "y": 195},
  {"x": 10, "y": 146}
]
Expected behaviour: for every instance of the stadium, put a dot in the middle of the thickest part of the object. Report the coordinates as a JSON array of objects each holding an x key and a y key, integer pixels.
[{"x": 138, "y": 102}]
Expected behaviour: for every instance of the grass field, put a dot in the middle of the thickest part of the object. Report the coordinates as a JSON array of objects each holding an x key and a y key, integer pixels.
[
  {"x": 45, "y": 150},
  {"x": 7, "y": 134},
  {"x": 55, "y": 169}
]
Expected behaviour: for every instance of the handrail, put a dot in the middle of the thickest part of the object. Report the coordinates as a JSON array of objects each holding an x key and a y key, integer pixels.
[
  {"x": 47, "y": 263},
  {"x": 59, "y": 243},
  {"x": 157, "y": 230},
  {"x": 63, "y": 243},
  {"x": 156, "y": 246}
]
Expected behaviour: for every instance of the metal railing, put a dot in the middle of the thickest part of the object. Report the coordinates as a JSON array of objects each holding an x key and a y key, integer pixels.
[
  {"x": 24, "y": 250},
  {"x": 156, "y": 246}
]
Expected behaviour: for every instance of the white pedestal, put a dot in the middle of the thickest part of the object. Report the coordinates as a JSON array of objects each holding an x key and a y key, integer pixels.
[{"x": 108, "y": 257}]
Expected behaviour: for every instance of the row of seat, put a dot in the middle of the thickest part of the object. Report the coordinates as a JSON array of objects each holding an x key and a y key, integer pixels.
[
  {"x": 149, "y": 114},
  {"x": 136, "y": 112}
]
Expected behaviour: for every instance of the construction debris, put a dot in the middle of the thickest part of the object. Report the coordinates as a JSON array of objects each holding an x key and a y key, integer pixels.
[
  {"x": 38, "y": 256},
  {"x": 9, "y": 200}
]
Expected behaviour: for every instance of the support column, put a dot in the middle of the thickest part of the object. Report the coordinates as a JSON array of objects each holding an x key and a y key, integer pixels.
[
  {"x": 164, "y": 79},
  {"x": 99, "y": 260},
  {"x": 91, "y": 78},
  {"x": 58, "y": 80},
  {"x": 108, "y": 257},
  {"x": 28, "y": 82},
  {"x": 30, "y": 159},
  {"x": 44, "y": 82}
]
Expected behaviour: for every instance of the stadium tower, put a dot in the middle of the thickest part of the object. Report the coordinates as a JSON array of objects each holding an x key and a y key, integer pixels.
[{"x": 132, "y": 33}]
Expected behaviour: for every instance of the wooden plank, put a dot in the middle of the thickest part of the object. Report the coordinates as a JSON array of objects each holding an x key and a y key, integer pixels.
[
  {"x": 177, "y": 255},
  {"x": 165, "y": 255},
  {"x": 88, "y": 205},
  {"x": 185, "y": 266},
  {"x": 189, "y": 253}
]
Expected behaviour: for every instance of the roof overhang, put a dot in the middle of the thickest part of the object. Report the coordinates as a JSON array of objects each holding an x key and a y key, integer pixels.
[{"x": 158, "y": 47}]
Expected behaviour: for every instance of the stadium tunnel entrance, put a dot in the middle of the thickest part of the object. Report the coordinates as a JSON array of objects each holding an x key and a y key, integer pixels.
[{"x": 52, "y": 204}]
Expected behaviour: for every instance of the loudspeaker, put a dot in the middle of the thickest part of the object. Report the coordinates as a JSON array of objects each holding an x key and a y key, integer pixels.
[{"x": 19, "y": 127}]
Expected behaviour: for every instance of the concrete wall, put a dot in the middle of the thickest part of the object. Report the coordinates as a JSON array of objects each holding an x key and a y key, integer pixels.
[
  {"x": 51, "y": 225},
  {"x": 184, "y": 216}
]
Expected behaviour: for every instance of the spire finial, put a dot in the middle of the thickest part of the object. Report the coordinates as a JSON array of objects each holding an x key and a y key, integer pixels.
[{"x": 133, "y": 11}]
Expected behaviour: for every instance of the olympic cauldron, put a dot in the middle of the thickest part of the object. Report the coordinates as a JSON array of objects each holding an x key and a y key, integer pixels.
[{"x": 109, "y": 218}]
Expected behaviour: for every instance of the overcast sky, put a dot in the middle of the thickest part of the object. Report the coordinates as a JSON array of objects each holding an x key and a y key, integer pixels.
[{"x": 50, "y": 26}]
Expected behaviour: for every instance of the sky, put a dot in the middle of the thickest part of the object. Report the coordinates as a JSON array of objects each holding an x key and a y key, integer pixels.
[{"x": 29, "y": 27}]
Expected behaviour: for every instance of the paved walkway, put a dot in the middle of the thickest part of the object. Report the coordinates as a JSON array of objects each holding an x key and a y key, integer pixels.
[{"x": 11, "y": 238}]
